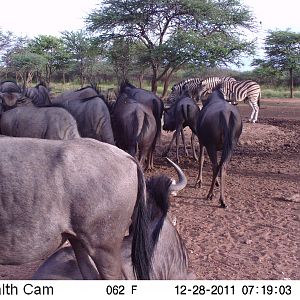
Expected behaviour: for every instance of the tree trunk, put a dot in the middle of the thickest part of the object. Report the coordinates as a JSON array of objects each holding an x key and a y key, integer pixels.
[
  {"x": 140, "y": 79},
  {"x": 166, "y": 84},
  {"x": 291, "y": 83},
  {"x": 154, "y": 79}
]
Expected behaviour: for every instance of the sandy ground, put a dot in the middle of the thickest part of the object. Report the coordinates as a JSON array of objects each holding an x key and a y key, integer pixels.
[{"x": 258, "y": 236}]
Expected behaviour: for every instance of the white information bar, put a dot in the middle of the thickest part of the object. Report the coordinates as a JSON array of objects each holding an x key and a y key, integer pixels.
[{"x": 190, "y": 289}]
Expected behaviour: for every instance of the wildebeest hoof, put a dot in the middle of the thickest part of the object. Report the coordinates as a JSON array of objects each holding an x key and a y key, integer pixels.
[
  {"x": 209, "y": 196},
  {"x": 164, "y": 154},
  {"x": 198, "y": 184},
  {"x": 223, "y": 205}
]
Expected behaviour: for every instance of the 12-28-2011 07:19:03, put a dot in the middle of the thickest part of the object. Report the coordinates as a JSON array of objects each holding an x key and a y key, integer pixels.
[{"x": 268, "y": 289}]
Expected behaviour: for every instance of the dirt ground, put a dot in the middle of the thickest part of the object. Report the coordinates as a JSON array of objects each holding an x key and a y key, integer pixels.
[{"x": 258, "y": 235}]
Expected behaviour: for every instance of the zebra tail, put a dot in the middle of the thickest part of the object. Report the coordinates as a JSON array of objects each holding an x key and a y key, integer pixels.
[{"x": 258, "y": 99}]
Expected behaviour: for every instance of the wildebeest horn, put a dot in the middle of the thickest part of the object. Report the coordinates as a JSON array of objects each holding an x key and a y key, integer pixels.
[{"x": 182, "y": 181}]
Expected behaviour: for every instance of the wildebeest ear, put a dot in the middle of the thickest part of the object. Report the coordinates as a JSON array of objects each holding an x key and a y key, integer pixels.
[{"x": 185, "y": 91}]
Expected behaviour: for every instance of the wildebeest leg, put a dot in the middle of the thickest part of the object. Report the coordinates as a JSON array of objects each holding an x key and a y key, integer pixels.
[
  {"x": 87, "y": 269},
  {"x": 184, "y": 143},
  {"x": 193, "y": 146},
  {"x": 149, "y": 163},
  {"x": 178, "y": 130},
  {"x": 222, "y": 183},
  {"x": 212, "y": 153},
  {"x": 200, "y": 160},
  {"x": 108, "y": 262},
  {"x": 165, "y": 153}
]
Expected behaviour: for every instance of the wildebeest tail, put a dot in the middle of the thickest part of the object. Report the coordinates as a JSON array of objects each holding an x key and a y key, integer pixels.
[
  {"x": 229, "y": 140},
  {"x": 142, "y": 126},
  {"x": 157, "y": 112},
  {"x": 142, "y": 246},
  {"x": 158, "y": 189},
  {"x": 130, "y": 132}
]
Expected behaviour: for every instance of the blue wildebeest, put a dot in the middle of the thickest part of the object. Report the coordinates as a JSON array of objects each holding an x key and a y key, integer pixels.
[
  {"x": 182, "y": 112},
  {"x": 39, "y": 95},
  {"x": 150, "y": 100},
  {"x": 39, "y": 122},
  {"x": 169, "y": 259},
  {"x": 219, "y": 127},
  {"x": 134, "y": 128},
  {"x": 79, "y": 190},
  {"x": 90, "y": 111}
]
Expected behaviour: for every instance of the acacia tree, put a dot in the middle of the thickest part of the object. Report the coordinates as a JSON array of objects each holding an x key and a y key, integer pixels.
[
  {"x": 176, "y": 32},
  {"x": 25, "y": 64},
  {"x": 282, "y": 50},
  {"x": 49, "y": 47},
  {"x": 83, "y": 50}
]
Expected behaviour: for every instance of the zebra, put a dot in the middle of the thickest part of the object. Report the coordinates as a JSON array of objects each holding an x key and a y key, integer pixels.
[
  {"x": 190, "y": 84},
  {"x": 209, "y": 84},
  {"x": 243, "y": 90},
  {"x": 195, "y": 86}
]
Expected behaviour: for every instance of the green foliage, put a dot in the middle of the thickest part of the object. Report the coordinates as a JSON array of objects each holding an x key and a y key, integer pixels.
[
  {"x": 176, "y": 32},
  {"x": 283, "y": 50}
]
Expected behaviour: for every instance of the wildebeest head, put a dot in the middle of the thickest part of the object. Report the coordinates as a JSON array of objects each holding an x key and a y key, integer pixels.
[
  {"x": 10, "y": 92},
  {"x": 169, "y": 123}
]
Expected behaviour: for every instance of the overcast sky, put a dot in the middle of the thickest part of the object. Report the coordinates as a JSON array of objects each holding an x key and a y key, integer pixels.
[{"x": 34, "y": 17}]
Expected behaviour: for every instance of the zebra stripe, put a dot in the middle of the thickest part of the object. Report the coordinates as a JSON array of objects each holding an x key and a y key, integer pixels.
[
  {"x": 209, "y": 84},
  {"x": 189, "y": 84},
  {"x": 243, "y": 90},
  {"x": 195, "y": 86}
]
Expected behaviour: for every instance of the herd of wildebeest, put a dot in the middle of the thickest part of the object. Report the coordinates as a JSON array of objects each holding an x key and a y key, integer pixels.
[{"x": 72, "y": 171}]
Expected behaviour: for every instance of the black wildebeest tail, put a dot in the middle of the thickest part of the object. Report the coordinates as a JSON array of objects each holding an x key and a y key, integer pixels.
[
  {"x": 158, "y": 189},
  {"x": 142, "y": 246},
  {"x": 158, "y": 109},
  {"x": 142, "y": 126},
  {"x": 229, "y": 139}
]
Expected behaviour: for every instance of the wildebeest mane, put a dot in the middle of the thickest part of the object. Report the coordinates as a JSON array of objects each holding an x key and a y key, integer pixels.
[
  {"x": 216, "y": 92},
  {"x": 125, "y": 83}
]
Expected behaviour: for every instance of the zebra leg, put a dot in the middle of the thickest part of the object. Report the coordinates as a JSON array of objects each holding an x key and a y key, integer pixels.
[
  {"x": 200, "y": 161},
  {"x": 256, "y": 110},
  {"x": 251, "y": 120}
]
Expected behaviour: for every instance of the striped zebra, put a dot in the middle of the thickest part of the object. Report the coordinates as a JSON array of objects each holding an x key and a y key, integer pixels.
[
  {"x": 191, "y": 84},
  {"x": 195, "y": 86},
  {"x": 243, "y": 90},
  {"x": 209, "y": 84}
]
